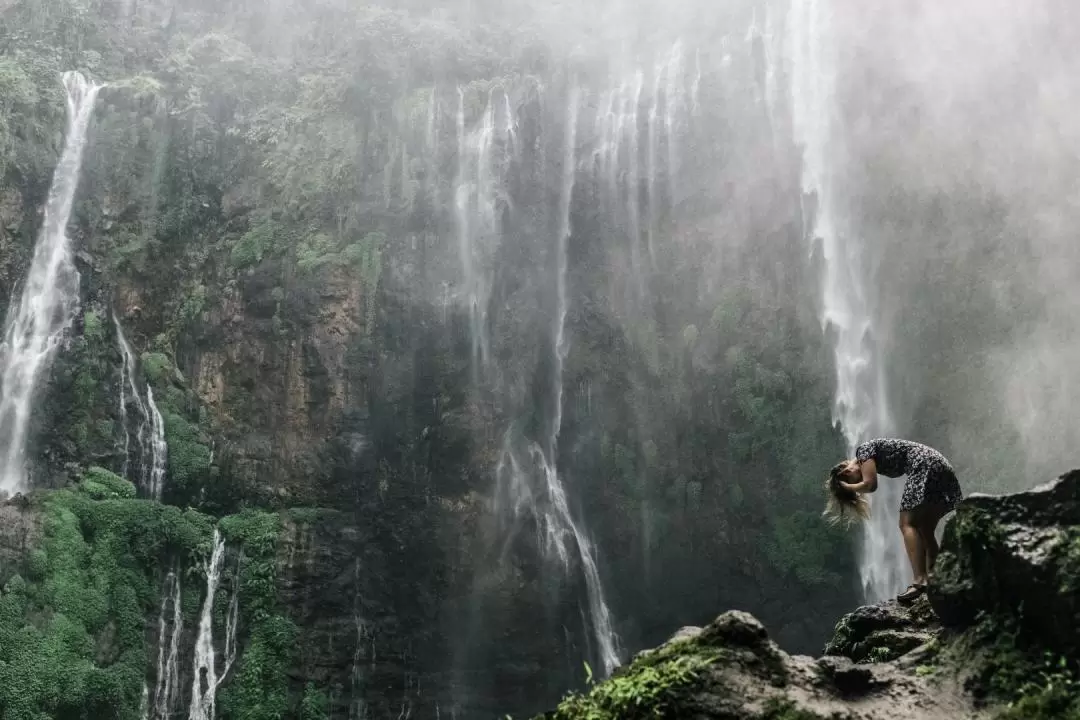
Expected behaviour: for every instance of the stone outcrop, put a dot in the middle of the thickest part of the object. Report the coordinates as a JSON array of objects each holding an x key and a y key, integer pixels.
[
  {"x": 995, "y": 638},
  {"x": 1017, "y": 555},
  {"x": 731, "y": 670}
]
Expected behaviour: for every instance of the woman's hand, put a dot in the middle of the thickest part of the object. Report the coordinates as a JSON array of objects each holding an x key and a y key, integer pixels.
[{"x": 868, "y": 484}]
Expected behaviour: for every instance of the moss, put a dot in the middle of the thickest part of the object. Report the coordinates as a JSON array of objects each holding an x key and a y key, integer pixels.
[
  {"x": 1032, "y": 684},
  {"x": 157, "y": 367},
  {"x": 101, "y": 484},
  {"x": 189, "y": 455},
  {"x": 651, "y": 687},
  {"x": 648, "y": 691},
  {"x": 1070, "y": 561},
  {"x": 93, "y": 330},
  {"x": 72, "y": 641},
  {"x": 315, "y": 704},
  {"x": 260, "y": 690},
  {"x": 781, "y": 709}
]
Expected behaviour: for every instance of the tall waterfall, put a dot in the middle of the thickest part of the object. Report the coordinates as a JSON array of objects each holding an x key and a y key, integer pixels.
[
  {"x": 618, "y": 161},
  {"x": 50, "y": 297},
  {"x": 129, "y": 391},
  {"x": 860, "y": 406},
  {"x": 150, "y": 431},
  {"x": 204, "y": 668},
  {"x": 545, "y": 500},
  {"x": 169, "y": 631},
  {"x": 480, "y": 169}
]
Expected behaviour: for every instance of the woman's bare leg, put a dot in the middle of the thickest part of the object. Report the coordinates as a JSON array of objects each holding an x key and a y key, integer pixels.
[
  {"x": 927, "y": 518},
  {"x": 915, "y": 546}
]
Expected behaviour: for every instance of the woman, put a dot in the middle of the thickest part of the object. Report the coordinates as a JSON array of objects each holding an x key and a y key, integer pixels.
[{"x": 931, "y": 492}]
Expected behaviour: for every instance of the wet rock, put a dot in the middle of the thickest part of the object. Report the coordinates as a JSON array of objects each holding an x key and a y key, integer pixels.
[
  {"x": 1015, "y": 555},
  {"x": 20, "y": 530},
  {"x": 883, "y": 632},
  {"x": 848, "y": 678}
]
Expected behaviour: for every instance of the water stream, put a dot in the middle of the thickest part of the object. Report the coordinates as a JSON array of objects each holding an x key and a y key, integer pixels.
[{"x": 38, "y": 323}]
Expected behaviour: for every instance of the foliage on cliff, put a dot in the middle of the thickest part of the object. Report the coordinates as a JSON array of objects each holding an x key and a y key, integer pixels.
[{"x": 72, "y": 641}]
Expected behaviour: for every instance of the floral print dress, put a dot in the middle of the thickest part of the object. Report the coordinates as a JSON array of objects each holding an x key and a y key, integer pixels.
[{"x": 930, "y": 477}]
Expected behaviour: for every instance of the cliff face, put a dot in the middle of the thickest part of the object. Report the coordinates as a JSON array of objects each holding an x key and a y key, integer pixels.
[
  {"x": 449, "y": 324},
  {"x": 973, "y": 649},
  {"x": 332, "y": 239}
]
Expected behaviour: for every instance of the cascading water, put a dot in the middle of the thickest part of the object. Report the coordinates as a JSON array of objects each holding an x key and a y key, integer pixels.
[
  {"x": 130, "y": 391},
  {"x": 167, "y": 682},
  {"x": 860, "y": 406},
  {"x": 50, "y": 298},
  {"x": 150, "y": 432},
  {"x": 547, "y": 503},
  {"x": 159, "y": 449},
  {"x": 618, "y": 160},
  {"x": 476, "y": 214},
  {"x": 205, "y": 678}
]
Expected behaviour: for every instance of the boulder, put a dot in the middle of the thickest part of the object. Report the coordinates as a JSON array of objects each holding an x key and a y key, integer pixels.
[
  {"x": 884, "y": 632},
  {"x": 1016, "y": 556}
]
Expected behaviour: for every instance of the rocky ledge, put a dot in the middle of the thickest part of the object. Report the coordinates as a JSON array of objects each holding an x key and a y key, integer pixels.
[{"x": 996, "y": 637}]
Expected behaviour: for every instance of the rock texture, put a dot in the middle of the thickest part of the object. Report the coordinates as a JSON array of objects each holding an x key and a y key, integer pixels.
[
  {"x": 879, "y": 633},
  {"x": 1017, "y": 555},
  {"x": 995, "y": 638},
  {"x": 747, "y": 677}
]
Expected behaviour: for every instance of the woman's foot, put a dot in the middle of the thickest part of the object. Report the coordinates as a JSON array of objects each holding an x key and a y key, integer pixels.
[{"x": 912, "y": 593}]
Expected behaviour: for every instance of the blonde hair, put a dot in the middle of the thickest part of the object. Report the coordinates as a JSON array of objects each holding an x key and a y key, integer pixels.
[{"x": 843, "y": 506}]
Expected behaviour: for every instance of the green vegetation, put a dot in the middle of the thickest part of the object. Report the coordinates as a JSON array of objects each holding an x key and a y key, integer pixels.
[
  {"x": 777, "y": 709},
  {"x": 102, "y": 484},
  {"x": 72, "y": 627},
  {"x": 260, "y": 689},
  {"x": 315, "y": 704},
  {"x": 649, "y": 689},
  {"x": 1030, "y": 684}
]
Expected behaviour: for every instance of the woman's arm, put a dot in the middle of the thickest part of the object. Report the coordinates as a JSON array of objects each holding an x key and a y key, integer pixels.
[{"x": 868, "y": 484}]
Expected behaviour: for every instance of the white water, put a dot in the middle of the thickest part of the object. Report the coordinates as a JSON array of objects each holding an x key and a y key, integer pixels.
[
  {"x": 476, "y": 214},
  {"x": 159, "y": 449},
  {"x": 50, "y": 298},
  {"x": 204, "y": 666},
  {"x": 150, "y": 432},
  {"x": 669, "y": 93},
  {"x": 167, "y": 682},
  {"x": 547, "y": 503},
  {"x": 860, "y": 406},
  {"x": 128, "y": 389}
]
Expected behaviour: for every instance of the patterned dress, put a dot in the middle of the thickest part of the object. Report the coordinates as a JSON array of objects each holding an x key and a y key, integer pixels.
[{"x": 930, "y": 477}]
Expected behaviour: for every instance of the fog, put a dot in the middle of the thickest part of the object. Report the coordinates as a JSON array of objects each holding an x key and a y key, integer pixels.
[{"x": 604, "y": 288}]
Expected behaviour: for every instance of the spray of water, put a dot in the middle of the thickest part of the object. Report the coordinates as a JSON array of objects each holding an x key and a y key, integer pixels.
[
  {"x": 205, "y": 679},
  {"x": 129, "y": 391},
  {"x": 150, "y": 431},
  {"x": 159, "y": 449},
  {"x": 50, "y": 297},
  {"x": 169, "y": 632},
  {"x": 529, "y": 478},
  {"x": 860, "y": 407}
]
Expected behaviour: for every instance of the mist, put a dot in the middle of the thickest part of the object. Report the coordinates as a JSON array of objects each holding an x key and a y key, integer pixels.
[{"x": 552, "y": 316}]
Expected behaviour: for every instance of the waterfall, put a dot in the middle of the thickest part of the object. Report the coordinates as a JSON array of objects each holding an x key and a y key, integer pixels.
[
  {"x": 560, "y": 534},
  {"x": 860, "y": 405},
  {"x": 476, "y": 199},
  {"x": 168, "y": 671},
  {"x": 618, "y": 159},
  {"x": 159, "y": 449},
  {"x": 150, "y": 435},
  {"x": 129, "y": 390},
  {"x": 205, "y": 679},
  {"x": 50, "y": 297}
]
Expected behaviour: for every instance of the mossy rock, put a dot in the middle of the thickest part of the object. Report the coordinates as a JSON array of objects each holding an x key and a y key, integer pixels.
[
  {"x": 882, "y": 633},
  {"x": 101, "y": 484}
]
